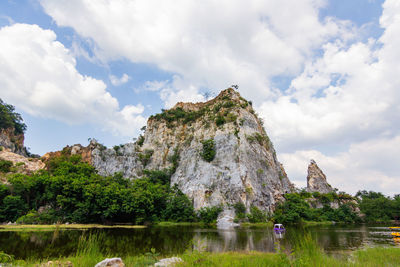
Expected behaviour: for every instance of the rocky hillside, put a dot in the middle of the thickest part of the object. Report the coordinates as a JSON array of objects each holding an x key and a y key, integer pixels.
[{"x": 217, "y": 153}]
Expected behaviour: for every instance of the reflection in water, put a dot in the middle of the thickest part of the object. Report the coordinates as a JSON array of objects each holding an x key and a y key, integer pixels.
[{"x": 175, "y": 240}]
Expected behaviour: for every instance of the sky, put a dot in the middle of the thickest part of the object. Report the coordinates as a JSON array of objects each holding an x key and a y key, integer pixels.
[{"x": 323, "y": 74}]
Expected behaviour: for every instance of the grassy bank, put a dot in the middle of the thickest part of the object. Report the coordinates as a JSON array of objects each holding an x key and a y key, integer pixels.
[
  {"x": 52, "y": 227},
  {"x": 306, "y": 253}
]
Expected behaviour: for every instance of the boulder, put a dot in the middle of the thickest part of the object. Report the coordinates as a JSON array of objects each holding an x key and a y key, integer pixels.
[
  {"x": 168, "y": 261},
  {"x": 113, "y": 262}
]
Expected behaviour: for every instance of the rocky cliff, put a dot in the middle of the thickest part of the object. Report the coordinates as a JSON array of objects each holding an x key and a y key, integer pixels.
[
  {"x": 316, "y": 179},
  {"x": 217, "y": 152},
  {"x": 14, "y": 142}
]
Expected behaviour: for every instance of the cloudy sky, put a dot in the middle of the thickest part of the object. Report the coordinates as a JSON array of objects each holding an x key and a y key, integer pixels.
[{"x": 323, "y": 74}]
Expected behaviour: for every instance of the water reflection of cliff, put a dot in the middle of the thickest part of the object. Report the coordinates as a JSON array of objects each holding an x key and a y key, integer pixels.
[{"x": 234, "y": 240}]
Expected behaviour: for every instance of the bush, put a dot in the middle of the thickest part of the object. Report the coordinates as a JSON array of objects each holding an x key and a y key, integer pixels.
[
  {"x": 178, "y": 208},
  {"x": 256, "y": 215},
  {"x": 240, "y": 210},
  {"x": 12, "y": 208},
  {"x": 209, "y": 214},
  {"x": 209, "y": 152},
  {"x": 5, "y": 165},
  {"x": 220, "y": 120}
]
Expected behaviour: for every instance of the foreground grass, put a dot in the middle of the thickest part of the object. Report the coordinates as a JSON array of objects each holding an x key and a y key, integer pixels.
[
  {"x": 306, "y": 253},
  {"x": 52, "y": 227}
]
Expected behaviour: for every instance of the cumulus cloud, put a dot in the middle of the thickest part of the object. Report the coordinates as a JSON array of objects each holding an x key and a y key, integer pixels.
[
  {"x": 209, "y": 44},
  {"x": 345, "y": 104},
  {"x": 119, "y": 81},
  {"x": 371, "y": 165},
  {"x": 38, "y": 75}
]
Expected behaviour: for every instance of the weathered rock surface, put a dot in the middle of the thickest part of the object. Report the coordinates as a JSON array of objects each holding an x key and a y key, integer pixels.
[
  {"x": 245, "y": 168},
  {"x": 14, "y": 142},
  {"x": 168, "y": 261},
  {"x": 23, "y": 164},
  {"x": 113, "y": 262},
  {"x": 226, "y": 219},
  {"x": 316, "y": 179}
]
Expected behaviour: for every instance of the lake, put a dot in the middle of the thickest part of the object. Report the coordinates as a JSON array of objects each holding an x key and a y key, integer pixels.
[{"x": 169, "y": 240}]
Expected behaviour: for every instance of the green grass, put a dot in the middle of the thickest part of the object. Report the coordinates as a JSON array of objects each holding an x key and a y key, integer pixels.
[{"x": 52, "y": 227}]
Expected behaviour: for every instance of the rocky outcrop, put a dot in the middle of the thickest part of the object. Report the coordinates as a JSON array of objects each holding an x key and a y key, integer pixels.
[
  {"x": 316, "y": 179},
  {"x": 21, "y": 163},
  {"x": 113, "y": 262},
  {"x": 14, "y": 142},
  {"x": 169, "y": 261},
  {"x": 217, "y": 151}
]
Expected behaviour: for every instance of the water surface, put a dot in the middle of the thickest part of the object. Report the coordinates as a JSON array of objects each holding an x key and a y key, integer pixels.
[{"x": 178, "y": 239}]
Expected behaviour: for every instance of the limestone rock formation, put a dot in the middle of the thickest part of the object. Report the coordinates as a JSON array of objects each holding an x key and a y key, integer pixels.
[
  {"x": 14, "y": 142},
  {"x": 316, "y": 179},
  {"x": 23, "y": 164},
  {"x": 217, "y": 151},
  {"x": 113, "y": 262}
]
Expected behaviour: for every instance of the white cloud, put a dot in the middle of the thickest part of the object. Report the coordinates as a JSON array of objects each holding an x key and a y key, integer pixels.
[
  {"x": 209, "y": 44},
  {"x": 371, "y": 165},
  {"x": 38, "y": 75},
  {"x": 119, "y": 81}
]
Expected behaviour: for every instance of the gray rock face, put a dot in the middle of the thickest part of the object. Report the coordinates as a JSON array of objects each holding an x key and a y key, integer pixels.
[
  {"x": 245, "y": 168},
  {"x": 113, "y": 262},
  {"x": 226, "y": 219},
  {"x": 169, "y": 261},
  {"x": 316, "y": 179},
  {"x": 13, "y": 142}
]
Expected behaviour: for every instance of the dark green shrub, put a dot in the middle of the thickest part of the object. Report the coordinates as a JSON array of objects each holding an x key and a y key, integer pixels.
[
  {"x": 178, "y": 207},
  {"x": 209, "y": 214},
  {"x": 12, "y": 208},
  {"x": 209, "y": 152},
  {"x": 140, "y": 140},
  {"x": 240, "y": 210},
  {"x": 145, "y": 156},
  {"x": 256, "y": 215},
  {"x": 220, "y": 120},
  {"x": 157, "y": 176},
  {"x": 5, "y": 165}
]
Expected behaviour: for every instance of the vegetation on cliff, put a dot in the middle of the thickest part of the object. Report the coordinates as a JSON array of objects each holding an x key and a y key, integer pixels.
[{"x": 11, "y": 119}]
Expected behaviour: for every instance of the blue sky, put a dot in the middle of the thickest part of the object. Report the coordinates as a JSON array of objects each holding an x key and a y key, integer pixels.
[{"x": 320, "y": 73}]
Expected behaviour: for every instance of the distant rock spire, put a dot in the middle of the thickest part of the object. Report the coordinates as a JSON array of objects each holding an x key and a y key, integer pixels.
[{"x": 316, "y": 179}]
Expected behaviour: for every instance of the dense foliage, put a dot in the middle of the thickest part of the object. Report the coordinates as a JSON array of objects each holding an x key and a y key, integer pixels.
[
  {"x": 209, "y": 152},
  {"x": 10, "y": 119},
  {"x": 209, "y": 214},
  {"x": 254, "y": 216},
  {"x": 72, "y": 191},
  {"x": 378, "y": 207},
  {"x": 296, "y": 209},
  {"x": 5, "y": 165}
]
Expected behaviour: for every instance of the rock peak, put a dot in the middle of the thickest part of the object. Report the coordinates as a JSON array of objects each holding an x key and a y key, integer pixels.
[
  {"x": 227, "y": 94},
  {"x": 316, "y": 179}
]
